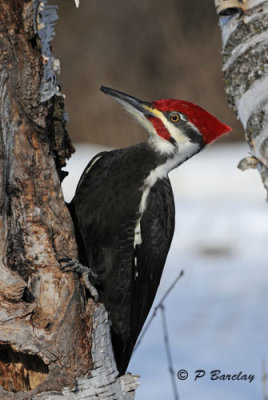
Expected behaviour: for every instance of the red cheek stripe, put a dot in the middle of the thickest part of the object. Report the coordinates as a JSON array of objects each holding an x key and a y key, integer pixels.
[{"x": 160, "y": 128}]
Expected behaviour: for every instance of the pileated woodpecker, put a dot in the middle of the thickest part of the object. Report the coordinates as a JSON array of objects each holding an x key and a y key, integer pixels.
[{"x": 123, "y": 210}]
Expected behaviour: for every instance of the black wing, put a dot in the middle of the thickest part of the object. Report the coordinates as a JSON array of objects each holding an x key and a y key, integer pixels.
[
  {"x": 89, "y": 166},
  {"x": 77, "y": 205},
  {"x": 104, "y": 211},
  {"x": 157, "y": 228}
]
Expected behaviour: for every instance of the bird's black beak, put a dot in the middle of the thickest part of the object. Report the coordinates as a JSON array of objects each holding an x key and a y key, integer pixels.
[{"x": 130, "y": 103}]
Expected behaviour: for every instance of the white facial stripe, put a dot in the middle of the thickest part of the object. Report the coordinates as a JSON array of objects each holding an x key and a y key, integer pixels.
[
  {"x": 160, "y": 144},
  {"x": 174, "y": 131}
]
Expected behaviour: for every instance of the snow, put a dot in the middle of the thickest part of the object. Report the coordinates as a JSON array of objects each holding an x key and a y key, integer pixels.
[{"x": 217, "y": 313}]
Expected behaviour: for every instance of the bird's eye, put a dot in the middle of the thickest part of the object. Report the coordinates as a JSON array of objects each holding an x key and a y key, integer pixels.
[{"x": 174, "y": 117}]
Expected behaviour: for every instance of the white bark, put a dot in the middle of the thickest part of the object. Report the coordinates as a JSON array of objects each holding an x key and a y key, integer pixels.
[{"x": 244, "y": 27}]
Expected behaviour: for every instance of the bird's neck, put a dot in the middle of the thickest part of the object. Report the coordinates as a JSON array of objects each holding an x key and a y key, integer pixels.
[{"x": 167, "y": 160}]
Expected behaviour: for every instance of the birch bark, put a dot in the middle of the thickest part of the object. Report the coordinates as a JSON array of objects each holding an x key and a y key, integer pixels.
[{"x": 244, "y": 27}]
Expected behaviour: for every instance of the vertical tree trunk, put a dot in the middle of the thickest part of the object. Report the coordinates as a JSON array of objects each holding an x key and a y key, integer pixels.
[
  {"x": 244, "y": 26},
  {"x": 50, "y": 333}
]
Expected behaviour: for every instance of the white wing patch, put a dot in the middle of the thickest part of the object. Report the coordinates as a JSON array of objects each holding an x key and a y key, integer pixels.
[
  {"x": 93, "y": 162},
  {"x": 137, "y": 233}
]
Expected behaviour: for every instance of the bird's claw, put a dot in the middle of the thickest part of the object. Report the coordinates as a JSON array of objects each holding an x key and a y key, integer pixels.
[
  {"x": 73, "y": 265},
  {"x": 68, "y": 264}
]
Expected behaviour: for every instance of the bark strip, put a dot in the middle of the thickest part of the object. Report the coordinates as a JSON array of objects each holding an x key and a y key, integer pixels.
[{"x": 245, "y": 68}]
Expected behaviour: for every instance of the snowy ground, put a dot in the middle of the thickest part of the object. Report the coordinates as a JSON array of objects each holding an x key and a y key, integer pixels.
[{"x": 217, "y": 314}]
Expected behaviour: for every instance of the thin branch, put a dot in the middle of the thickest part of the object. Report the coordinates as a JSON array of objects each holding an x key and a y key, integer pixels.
[
  {"x": 264, "y": 380},
  {"x": 156, "y": 309},
  {"x": 168, "y": 352}
]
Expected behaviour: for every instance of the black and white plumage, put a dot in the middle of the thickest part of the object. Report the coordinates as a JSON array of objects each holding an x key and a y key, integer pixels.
[{"x": 123, "y": 212}]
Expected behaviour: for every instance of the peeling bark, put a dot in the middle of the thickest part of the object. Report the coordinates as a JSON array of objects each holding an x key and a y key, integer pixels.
[
  {"x": 51, "y": 336},
  {"x": 245, "y": 67}
]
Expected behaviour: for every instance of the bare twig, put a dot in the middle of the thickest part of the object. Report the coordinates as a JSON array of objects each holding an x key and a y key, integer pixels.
[
  {"x": 156, "y": 309},
  {"x": 264, "y": 380},
  {"x": 168, "y": 352}
]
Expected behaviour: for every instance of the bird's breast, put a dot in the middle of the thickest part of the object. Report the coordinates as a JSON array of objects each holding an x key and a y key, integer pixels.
[{"x": 159, "y": 172}]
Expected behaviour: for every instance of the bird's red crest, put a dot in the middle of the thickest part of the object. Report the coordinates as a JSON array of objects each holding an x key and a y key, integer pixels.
[{"x": 208, "y": 125}]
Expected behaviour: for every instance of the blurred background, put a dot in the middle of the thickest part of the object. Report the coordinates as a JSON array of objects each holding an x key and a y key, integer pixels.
[
  {"x": 217, "y": 313},
  {"x": 151, "y": 49}
]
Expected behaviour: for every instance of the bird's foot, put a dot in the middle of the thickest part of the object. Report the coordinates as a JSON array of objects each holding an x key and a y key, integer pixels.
[{"x": 69, "y": 264}]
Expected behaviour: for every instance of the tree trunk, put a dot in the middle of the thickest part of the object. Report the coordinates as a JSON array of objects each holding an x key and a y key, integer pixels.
[
  {"x": 51, "y": 336},
  {"x": 244, "y": 26}
]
